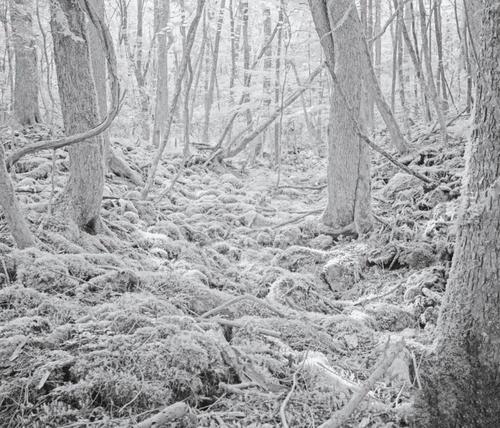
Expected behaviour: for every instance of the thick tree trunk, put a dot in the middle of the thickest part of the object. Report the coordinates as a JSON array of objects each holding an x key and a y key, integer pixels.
[
  {"x": 26, "y": 72},
  {"x": 84, "y": 189},
  {"x": 462, "y": 383},
  {"x": 348, "y": 158}
]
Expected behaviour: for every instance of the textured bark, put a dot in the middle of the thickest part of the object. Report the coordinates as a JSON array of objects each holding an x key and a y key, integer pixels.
[
  {"x": 462, "y": 382},
  {"x": 26, "y": 73},
  {"x": 348, "y": 157},
  {"x": 84, "y": 189},
  {"x": 11, "y": 209}
]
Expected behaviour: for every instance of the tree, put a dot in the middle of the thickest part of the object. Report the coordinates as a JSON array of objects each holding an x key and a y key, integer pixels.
[
  {"x": 11, "y": 209},
  {"x": 162, "y": 17},
  {"x": 82, "y": 195},
  {"x": 348, "y": 157},
  {"x": 26, "y": 74},
  {"x": 461, "y": 381},
  {"x": 209, "y": 96}
]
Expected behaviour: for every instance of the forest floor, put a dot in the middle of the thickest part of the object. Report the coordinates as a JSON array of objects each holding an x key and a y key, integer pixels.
[{"x": 226, "y": 295}]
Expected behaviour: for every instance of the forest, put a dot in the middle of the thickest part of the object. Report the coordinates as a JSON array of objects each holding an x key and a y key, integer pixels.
[{"x": 234, "y": 213}]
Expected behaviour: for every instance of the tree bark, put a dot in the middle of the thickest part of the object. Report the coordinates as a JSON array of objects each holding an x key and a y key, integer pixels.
[
  {"x": 26, "y": 73},
  {"x": 11, "y": 209},
  {"x": 82, "y": 195},
  {"x": 461, "y": 381},
  {"x": 348, "y": 158}
]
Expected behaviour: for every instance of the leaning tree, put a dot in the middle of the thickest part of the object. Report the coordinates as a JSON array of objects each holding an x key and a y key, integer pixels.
[{"x": 462, "y": 376}]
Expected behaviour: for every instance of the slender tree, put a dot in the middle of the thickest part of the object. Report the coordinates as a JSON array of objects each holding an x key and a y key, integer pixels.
[{"x": 209, "y": 96}]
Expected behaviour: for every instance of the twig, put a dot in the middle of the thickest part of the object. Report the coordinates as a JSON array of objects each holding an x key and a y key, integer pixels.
[
  {"x": 238, "y": 299},
  {"x": 340, "y": 417},
  {"x": 372, "y": 298},
  {"x": 286, "y": 400},
  {"x": 289, "y": 186},
  {"x": 238, "y": 324}
]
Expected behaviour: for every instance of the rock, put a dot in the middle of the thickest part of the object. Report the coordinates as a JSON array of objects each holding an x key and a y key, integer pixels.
[
  {"x": 321, "y": 242},
  {"x": 287, "y": 237},
  {"x": 265, "y": 238},
  {"x": 131, "y": 216},
  {"x": 418, "y": 255},
  {"x": 391, "y": 317},
  {"x": 341, "y": 272},
  {"x": 231, "y": 179},
  {"x": 431, "y": 278},
  {"x": 401, "y": 182}
]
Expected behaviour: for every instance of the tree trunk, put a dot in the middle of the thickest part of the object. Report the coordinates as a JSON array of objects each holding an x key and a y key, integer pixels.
[
  {"x": 26, "y": 73},
  {"x": 431, "y": 85},
  {"x": 84, "y": 189},
  {"x": 98, "y": 59},
  {"x": 161, "y": 99},
  {"x": 373, "y": 87},
  {"x": 209, "y": 96},
  {"x": 348, "y": 158},
  {"x": 277, "y": 84},
  {"x": 246, "y": 57},
  {"x": 186, "y": 61},
  {"x": 11, "y": 209},
  {"x": 441, "y": 78},
  {"x": 461, "y": 381}
]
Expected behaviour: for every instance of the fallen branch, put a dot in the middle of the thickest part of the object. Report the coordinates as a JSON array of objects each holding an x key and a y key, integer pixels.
[
  {"x": 340, "y": 417},
  {"x": 286, "y": 103},
  {"x": 166, "y": 416},
  {"x": 286, "y": 400}
]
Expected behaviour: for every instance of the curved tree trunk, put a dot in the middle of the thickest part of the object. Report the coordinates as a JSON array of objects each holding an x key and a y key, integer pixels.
[
  {"x": 462, "y": 382},
  {"x": 84, "y": 189},
  {"x": 11, "y": 209},
  {"x": 26, "y": 72}
]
